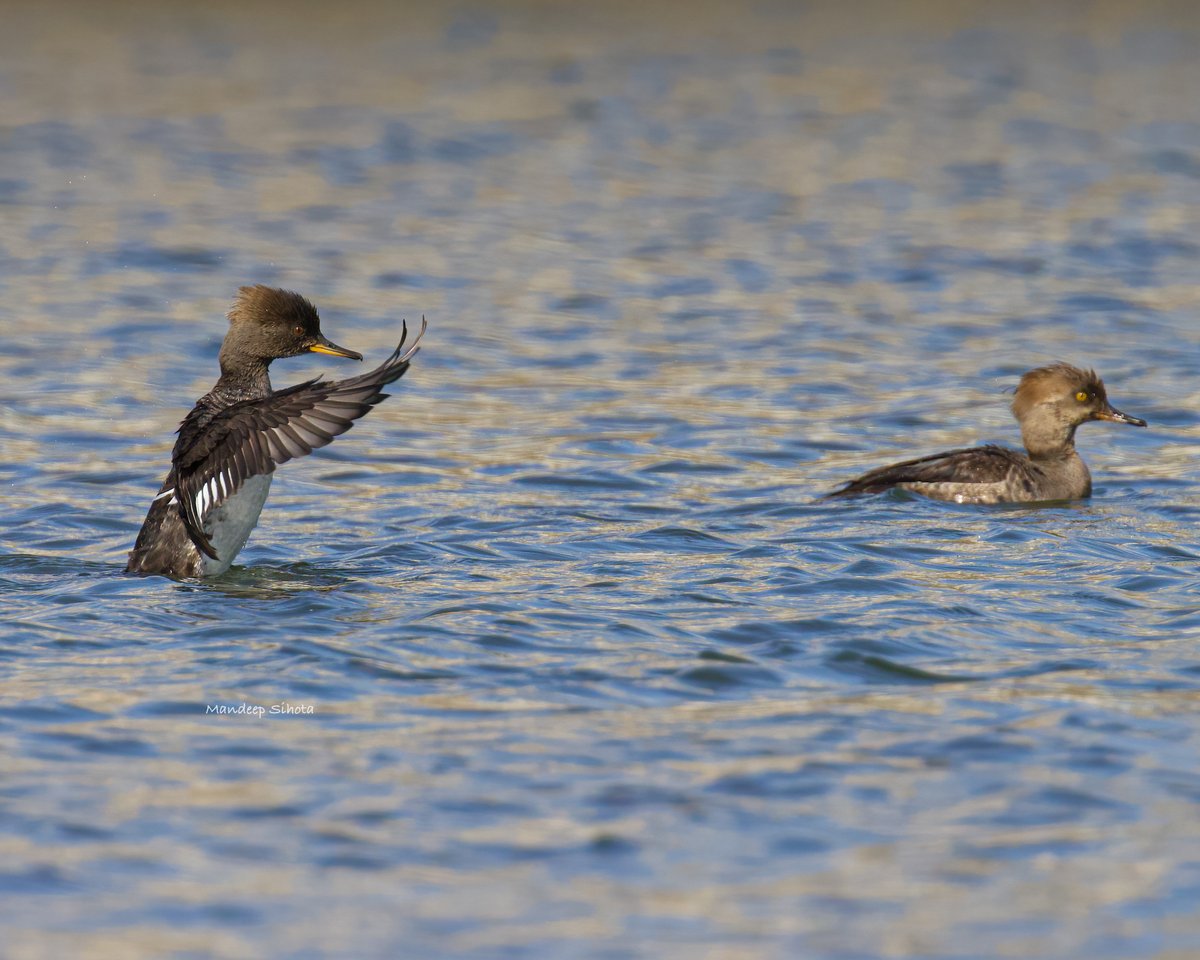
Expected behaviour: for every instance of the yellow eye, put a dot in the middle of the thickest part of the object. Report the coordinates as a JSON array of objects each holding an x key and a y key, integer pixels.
[{"x": 1082, "y": 396}]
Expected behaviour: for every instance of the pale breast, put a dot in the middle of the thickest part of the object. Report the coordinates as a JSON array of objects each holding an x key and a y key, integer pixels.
[{"x": 228, "y": 526}]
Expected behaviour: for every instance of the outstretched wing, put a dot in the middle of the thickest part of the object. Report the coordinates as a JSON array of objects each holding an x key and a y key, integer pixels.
[
  {"x": 255, "y": 436},
  {"x": 970, "y": 465}
]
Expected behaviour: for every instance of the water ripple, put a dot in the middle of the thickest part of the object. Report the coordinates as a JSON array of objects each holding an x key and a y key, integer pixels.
[{"x": 559, "y": 646}]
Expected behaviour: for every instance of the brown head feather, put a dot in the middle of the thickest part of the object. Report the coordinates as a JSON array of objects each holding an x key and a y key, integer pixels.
[
  {"x": 273, "y": 306},
  {"x": 1056, "y": 381}
]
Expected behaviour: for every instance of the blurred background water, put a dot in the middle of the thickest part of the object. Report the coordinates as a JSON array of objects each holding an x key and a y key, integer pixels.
[{"x": 591, "y": 672}]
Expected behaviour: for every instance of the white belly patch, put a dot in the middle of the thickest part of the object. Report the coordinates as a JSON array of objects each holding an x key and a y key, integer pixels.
[{"x": 229, "y": 525}]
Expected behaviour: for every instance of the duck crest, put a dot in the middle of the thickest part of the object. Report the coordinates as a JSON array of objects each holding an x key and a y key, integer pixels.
[{"x": 1051, "y": 382}]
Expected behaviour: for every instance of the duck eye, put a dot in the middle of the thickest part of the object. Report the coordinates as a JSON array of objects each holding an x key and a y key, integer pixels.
[{"x": 1083, "y": 396}]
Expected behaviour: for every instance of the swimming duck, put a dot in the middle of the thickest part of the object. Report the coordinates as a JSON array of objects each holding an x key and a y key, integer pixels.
[{"x": 1050, "y": 404}]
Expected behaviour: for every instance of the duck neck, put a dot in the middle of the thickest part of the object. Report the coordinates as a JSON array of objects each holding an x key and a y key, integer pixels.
[
  {"x": 1048, "y": 438},
  {"x": 243, "y": 376}
]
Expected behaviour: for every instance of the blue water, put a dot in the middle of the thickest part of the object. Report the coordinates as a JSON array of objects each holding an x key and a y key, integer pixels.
[{"x": 557, "y": 653}]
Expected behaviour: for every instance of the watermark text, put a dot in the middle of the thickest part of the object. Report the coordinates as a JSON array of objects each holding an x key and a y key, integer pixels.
[{"x": 257, "y": 710}]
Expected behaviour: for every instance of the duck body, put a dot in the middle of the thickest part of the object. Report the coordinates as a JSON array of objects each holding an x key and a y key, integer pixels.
[
  {"x": 987, "y": 474},
  {"x": 1050, "y": 404},
  {"x": 237, "y": 434},
  {"x": 163, "y": 545}
]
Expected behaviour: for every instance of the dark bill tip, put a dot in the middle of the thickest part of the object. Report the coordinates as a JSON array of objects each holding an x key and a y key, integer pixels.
[
  {"x": 1116, "y": 416},
  {"x": 325, "y": 346}
]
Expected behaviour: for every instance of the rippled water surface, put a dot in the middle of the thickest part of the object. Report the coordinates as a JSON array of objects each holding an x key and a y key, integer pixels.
[{"x": 557, "y": 653}]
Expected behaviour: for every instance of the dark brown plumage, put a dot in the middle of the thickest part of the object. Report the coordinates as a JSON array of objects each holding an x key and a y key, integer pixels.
[
  {"x": 253, "y": 437},
  {"x": 238, "y": 433}
]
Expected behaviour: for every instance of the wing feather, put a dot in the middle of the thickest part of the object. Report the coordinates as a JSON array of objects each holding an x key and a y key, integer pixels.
[
  {"x": 215, "y": 455},
  {"x": 971, "y": 465}
]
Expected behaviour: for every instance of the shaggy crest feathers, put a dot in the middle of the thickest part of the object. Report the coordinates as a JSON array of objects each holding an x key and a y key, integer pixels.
[
  {"x": 1053, "y": 382},
  {"x": 270, "y": 305}
]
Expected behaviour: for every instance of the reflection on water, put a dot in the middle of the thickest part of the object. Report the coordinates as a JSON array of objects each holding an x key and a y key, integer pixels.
[{"x": 592, "y": 672}]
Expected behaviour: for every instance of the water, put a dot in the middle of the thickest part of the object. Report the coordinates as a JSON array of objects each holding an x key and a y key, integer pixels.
[{"x": 591, "y": 671}]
